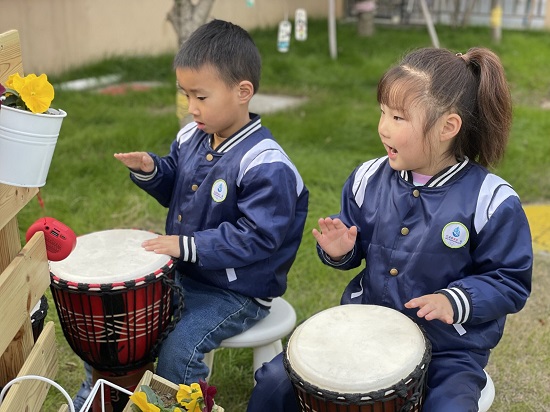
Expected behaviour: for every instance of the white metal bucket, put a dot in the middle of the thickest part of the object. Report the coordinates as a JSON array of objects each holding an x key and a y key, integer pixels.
[{"x": 27, "y": 144}]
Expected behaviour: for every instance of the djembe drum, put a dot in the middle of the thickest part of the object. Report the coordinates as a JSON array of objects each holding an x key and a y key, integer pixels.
[
  {"x": 114, "y": 302},
  {"x": 358, "y": 358}
]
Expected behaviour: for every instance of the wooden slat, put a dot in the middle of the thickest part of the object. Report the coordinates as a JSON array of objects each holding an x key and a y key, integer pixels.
[
  {"x": 11, "y": 245},
  {"x": 29, "y": 395},
  {"x": 16, "y": 353},
  {"x": 22, "y": 285},
  {"x": 12, "y": 200},
  {"x": 11, "y": 60}
]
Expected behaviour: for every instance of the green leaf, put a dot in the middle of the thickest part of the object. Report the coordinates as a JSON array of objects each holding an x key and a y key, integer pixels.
[
  {"x": 10, "y": 100},
  {"x": 152, "y": 397}
]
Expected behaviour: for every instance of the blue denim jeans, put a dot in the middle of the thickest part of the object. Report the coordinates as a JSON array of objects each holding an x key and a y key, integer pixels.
[{"x": 209, "y": 316}]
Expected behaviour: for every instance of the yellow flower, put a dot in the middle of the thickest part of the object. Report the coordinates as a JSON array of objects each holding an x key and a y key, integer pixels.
[
  {"x": 190, "y": 397},
  {"x": 33, "y": 93},
  {"x": 15, "y": 82},
  {"x": 140, "y": 399},
  {"x": 37, "y": 93}
]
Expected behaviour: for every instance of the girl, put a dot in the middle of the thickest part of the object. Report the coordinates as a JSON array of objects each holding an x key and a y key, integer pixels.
[{"x": 444, "y": 240}]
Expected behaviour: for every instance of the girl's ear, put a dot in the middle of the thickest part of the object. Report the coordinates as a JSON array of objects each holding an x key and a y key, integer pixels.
[
  {"x": 451, "y": 127},
  {"x": 246, "y": 91}
]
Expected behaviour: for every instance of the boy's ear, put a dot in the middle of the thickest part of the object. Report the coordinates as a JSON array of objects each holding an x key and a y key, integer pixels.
[
  {"x": 451, "y": 127},
  {"x": 246, "y": 91}
]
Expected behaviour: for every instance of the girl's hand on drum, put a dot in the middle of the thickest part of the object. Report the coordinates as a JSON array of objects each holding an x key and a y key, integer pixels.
[
  {"x": 163, "y": 245},
  {"x": 137, "y": 161},
  {"x": 434, "y": 306},
  {"x": 335, "y": 238}
]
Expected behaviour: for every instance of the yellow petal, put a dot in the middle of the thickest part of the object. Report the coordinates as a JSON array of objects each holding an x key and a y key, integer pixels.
[
  {"x": 15, "y": 82},
  {"x": 193, "y": 406},
  {"x": 140, "y": 400},
  {"x": 184, "y": 392},
  {"x": 37, "y": 93}
]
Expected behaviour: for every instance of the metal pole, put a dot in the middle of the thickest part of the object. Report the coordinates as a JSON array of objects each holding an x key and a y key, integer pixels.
[
  {"x": 332, "y": 29},
  {"x": 429, "y": 23}
]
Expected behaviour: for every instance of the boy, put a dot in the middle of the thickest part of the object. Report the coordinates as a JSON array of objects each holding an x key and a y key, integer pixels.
[{"x": 236, "y": 203}]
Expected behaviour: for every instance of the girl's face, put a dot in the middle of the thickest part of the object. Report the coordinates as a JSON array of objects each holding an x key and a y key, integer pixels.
[
  {"x": 215, "y": 106},
  {"x": 404, "y": 140}
]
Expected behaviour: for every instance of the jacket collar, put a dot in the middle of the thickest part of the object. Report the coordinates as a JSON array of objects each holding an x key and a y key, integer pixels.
[
  {"x": 228, "y": 144},
  {"x": 446, "y": 175}
]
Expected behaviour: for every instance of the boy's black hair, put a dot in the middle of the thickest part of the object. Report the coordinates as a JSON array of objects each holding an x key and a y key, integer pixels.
[{"x": 226, "y": 47}]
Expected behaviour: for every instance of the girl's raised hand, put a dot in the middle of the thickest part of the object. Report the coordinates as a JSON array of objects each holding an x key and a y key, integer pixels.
[
  {"x": 334, "y": 237},
  {"x": 137, "y": 161}
]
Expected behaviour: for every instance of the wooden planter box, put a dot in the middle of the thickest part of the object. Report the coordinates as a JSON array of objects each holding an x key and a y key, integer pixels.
[{"x": 158, "y": 383}]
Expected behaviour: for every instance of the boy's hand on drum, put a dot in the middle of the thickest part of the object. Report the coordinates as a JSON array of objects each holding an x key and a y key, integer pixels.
[
  {"x": 335, "y": 238},
  {"x": 137, "y": 161},
  {"x": 434, "y": 306},
  {"x": 163, "y": 245}
]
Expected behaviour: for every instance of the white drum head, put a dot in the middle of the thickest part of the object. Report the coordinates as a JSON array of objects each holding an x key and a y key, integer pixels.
[
  {"x": 356, "y": 348},
  {"x": 109, "y": 256}
]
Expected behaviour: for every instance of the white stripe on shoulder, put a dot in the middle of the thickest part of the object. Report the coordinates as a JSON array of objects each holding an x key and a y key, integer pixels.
[
  {"x": 186, "y": 133},
  {"x": 492, "y": 193},
  {"x": 267, "y": 151},
  {"x": 364, "y": 172}
]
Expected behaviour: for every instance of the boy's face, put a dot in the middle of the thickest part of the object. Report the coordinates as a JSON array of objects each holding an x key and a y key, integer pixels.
[{"x": 215, "y": 106}]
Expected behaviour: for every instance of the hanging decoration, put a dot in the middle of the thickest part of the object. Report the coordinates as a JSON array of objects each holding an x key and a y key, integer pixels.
[{"x": 300, "y": 24}]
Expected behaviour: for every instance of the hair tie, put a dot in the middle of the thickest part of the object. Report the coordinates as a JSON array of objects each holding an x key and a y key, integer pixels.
[{"x": 459, "y": 55}]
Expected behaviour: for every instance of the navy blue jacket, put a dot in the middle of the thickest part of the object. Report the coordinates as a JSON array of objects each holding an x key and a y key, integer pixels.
[
  {"x": 239, "y": 210},
  {"x": 463, "y": 234}
]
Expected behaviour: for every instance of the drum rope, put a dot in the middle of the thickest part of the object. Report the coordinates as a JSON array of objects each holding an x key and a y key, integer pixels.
[{"x": 171, "y": 283}]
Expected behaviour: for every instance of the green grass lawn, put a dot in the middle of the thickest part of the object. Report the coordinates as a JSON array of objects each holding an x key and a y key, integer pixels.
[{"x": 327, "y": 138}]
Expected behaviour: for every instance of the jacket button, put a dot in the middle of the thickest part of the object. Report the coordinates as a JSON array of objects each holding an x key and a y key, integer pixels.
[
  {"x": 404, "y": 231},
  {"x": 179, "y": 218},
  {"x": 194, "y": 188},
  {"x": 416, "y": 192},
  {"x": 209, "y": 157},
  {"x": 394, "y": 272}
]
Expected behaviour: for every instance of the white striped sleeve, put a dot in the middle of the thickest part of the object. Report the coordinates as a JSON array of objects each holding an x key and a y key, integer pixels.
[
  {"x": 461, "y": 303},
  {"x": 188, "y": 250},
  {"x": 144, "y": 177}
]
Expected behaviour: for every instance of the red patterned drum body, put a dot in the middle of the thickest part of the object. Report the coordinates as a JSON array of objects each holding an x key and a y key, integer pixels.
[
  {"x": 113, "y": 298},
  {"x": 358, "y": 358}
]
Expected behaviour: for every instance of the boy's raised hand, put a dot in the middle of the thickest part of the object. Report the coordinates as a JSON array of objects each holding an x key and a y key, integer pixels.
[
  {"x": 335, "y": 238},
  {"x": 137, "y": 161}
]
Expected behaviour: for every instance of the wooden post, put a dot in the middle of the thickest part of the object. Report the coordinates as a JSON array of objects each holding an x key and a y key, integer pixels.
[
  {"x": 496, "y": 20},
  {"x": 24, "y": 277}
]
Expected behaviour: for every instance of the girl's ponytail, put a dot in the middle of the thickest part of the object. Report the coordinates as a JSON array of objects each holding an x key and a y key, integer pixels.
[{"x": 494, "y": 105}]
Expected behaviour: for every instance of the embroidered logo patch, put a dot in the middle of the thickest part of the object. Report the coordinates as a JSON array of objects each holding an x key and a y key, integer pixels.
[
  {"x": 219, "y": 190},
  {"x": 455, "y": 235}
]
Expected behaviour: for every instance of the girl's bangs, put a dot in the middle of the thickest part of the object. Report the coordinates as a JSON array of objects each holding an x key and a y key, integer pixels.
[{"x": 400, "y": 89}]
